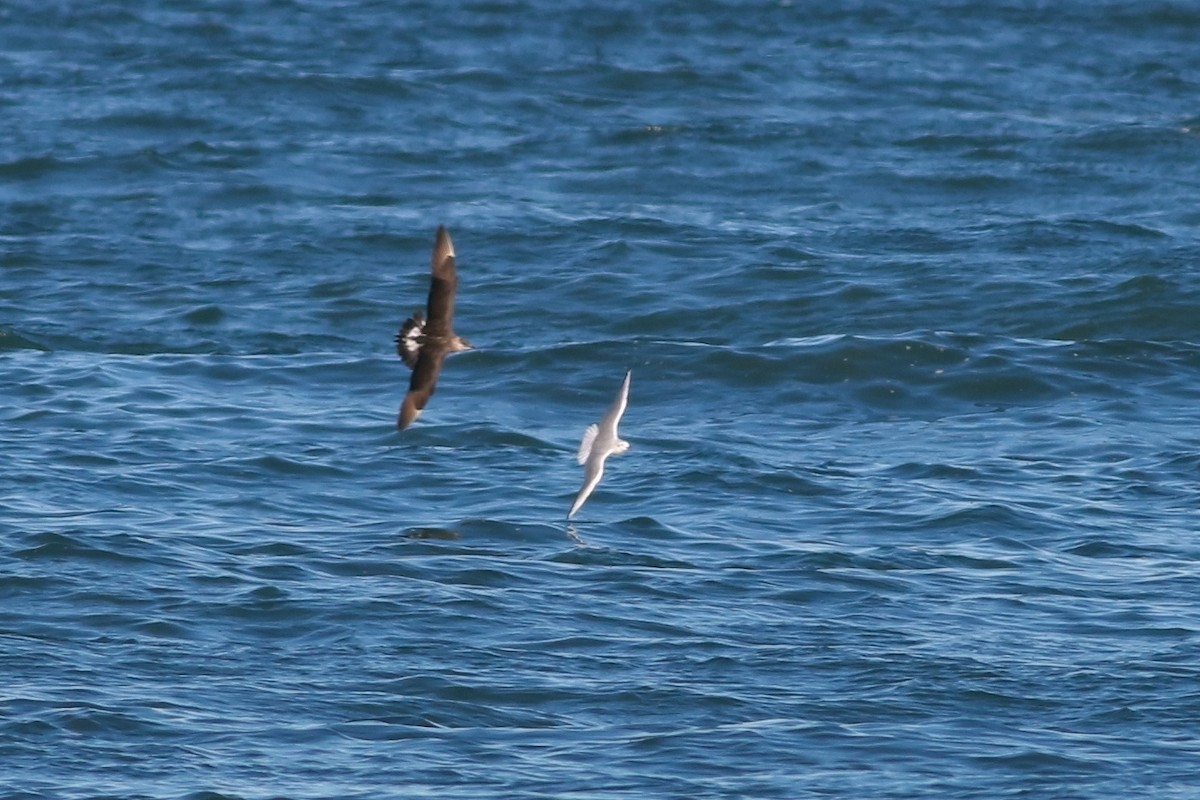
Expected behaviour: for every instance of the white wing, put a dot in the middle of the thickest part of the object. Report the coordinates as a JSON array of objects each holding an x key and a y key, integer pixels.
[
  {"x": 615, "y": 412},
  {"x": 585, "y": 447},
  {"x": 591, "y": 477}
]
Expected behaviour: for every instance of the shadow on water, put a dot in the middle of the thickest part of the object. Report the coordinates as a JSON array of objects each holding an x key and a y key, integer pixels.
[{"x": 585, "y": 542}]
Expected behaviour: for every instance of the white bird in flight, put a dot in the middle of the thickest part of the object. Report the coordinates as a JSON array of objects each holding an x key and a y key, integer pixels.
[{"x": 599, "y": 442}]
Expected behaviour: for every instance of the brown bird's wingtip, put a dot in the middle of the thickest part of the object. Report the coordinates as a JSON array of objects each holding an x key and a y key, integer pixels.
[
  {"x": 408, "y": 414},
  {"x": 443, "y": 245}
]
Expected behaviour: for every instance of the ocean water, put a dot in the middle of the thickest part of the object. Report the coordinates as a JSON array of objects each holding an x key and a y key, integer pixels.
[{"x": 911, "y": 297}]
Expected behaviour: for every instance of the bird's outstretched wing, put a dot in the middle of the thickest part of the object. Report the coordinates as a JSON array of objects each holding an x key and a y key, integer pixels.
[
  {"x": 422, "y": 384},
  {"x": 443, "y": 285},
  {"x": 608, "y": 424},
  {"x": 591, "y": 478}
]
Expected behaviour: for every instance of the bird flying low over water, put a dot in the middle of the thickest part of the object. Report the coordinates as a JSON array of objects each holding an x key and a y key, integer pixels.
[
  {"x": 424, "y": 340},
  {"x": 599, "y": 442}
]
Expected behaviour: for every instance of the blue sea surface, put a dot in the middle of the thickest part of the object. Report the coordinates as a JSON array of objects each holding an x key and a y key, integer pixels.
[{"x": 910, "y": 293}]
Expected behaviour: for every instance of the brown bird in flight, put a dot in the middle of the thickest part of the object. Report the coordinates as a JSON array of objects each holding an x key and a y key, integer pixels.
[{"x": 423, "y": 342}]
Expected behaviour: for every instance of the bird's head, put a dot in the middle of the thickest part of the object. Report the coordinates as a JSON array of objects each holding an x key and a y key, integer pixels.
[{"x": 621, "y": 446}]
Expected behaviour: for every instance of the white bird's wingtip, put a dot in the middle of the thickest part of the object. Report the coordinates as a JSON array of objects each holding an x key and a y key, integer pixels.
[{"x": 575, "y": 506}]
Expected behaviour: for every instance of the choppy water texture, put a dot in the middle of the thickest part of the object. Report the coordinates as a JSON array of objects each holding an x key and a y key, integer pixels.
[{"x": 910, "y": 296}]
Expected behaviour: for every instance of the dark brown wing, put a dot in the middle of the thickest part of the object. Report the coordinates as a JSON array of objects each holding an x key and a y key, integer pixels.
[
  {"x": 442, "y": 287},
  {"x": 422, "y": 384}
]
